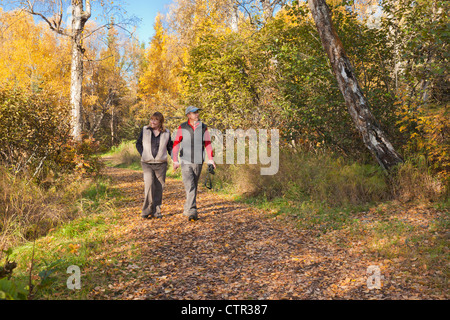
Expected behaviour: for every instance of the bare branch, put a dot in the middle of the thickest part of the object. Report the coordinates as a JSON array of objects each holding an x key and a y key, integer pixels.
[
  {"x": 97, "y": 60},
  {"x": 109, "y": 25},
  {"x": 53, "y": 26}
]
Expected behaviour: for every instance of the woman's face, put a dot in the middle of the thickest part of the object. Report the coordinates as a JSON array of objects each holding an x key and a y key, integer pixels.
[{"x": 154, "y": 123}]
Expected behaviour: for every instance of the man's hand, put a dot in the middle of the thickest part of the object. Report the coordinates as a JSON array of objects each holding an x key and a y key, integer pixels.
[
  {"x": 213, "y": 163},
  {"x": 176, "y": 165}
]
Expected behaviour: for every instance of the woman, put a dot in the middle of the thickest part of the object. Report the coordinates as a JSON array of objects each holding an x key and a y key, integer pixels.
[{"x": 154, "y": 143}]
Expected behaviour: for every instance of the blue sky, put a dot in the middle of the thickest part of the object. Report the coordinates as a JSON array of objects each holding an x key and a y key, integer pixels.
[{"x": 146, "y": 10}]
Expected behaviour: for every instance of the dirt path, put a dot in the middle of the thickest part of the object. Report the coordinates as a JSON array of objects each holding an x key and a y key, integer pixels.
[{"x": 233, "y": 252}]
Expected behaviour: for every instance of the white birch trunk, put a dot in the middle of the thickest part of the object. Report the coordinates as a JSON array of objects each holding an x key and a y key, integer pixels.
[
  {"x": 79, "y": 18},
  {"x": 373, "y": 136}
]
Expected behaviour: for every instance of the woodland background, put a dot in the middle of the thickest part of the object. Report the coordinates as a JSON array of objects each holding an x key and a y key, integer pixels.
[{"x": 248, "y": 64}]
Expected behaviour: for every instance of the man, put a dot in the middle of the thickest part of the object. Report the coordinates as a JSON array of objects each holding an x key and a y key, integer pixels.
[{"x": 191, "y": 141}]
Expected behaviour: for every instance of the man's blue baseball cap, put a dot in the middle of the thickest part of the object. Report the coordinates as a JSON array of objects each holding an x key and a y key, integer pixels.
[{"x": 192, "y": 109}]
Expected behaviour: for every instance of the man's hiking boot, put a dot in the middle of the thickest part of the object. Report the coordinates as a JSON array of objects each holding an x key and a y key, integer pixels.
[
  {"x": 192, "y": 218},
  {"x": 149, "y": 217}
]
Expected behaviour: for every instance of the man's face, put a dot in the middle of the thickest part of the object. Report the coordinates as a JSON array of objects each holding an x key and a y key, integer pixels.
[{"x": 193, "y": 116}]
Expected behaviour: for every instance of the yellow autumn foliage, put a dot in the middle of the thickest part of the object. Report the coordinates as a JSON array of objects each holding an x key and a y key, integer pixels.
[
  {"x": 427, "y": 128},
  {"x": 32, "y": 56},
  {"x": 160, "y": 82}
]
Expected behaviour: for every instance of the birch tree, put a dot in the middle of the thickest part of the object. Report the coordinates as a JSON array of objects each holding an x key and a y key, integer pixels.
[
  {"x": 52, "y": 12},
  {"x": 373, "y": 136},
  {"x": 69, "y": 18}
]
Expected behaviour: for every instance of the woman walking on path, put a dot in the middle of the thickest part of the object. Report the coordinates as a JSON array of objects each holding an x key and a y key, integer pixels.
[{"x": 153, "y": 144}]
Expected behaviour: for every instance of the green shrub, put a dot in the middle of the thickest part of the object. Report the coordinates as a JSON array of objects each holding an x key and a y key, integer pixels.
[
  {"x": 33, "y": 129},
  {"x": 35, "y": 137},
  {"x": 12, "y": 290}
]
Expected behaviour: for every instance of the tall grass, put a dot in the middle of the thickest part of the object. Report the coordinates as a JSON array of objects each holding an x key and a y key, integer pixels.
[
  {"x": 412, "y": 181},
  {"x": 303, "y": 176},
  {"x": 29, "y": 211},
  {"x": 331, "y": 180},
  {"x": 124, "y": 155}
]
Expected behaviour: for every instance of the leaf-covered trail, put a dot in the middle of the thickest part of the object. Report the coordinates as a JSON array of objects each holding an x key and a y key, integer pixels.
[{"x": 232, "y": 252}]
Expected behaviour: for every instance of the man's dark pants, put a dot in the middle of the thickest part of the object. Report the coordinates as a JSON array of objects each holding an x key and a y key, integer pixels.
[{"x": 191, "y": 175}]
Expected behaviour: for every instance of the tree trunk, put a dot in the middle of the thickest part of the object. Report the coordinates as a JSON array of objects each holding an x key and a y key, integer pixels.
[
  {"x": 113, "y": 138},
  {"x": 76, "y": 89},
  {"x": 373, "y": 136},
  {"x": 79, "y": 18}
]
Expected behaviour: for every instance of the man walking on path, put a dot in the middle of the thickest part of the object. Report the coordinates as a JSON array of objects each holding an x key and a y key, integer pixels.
[{"x": 191, "y": 141}]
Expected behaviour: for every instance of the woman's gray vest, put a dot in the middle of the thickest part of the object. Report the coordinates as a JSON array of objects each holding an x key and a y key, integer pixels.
[{"x": 147, "y": 155}]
